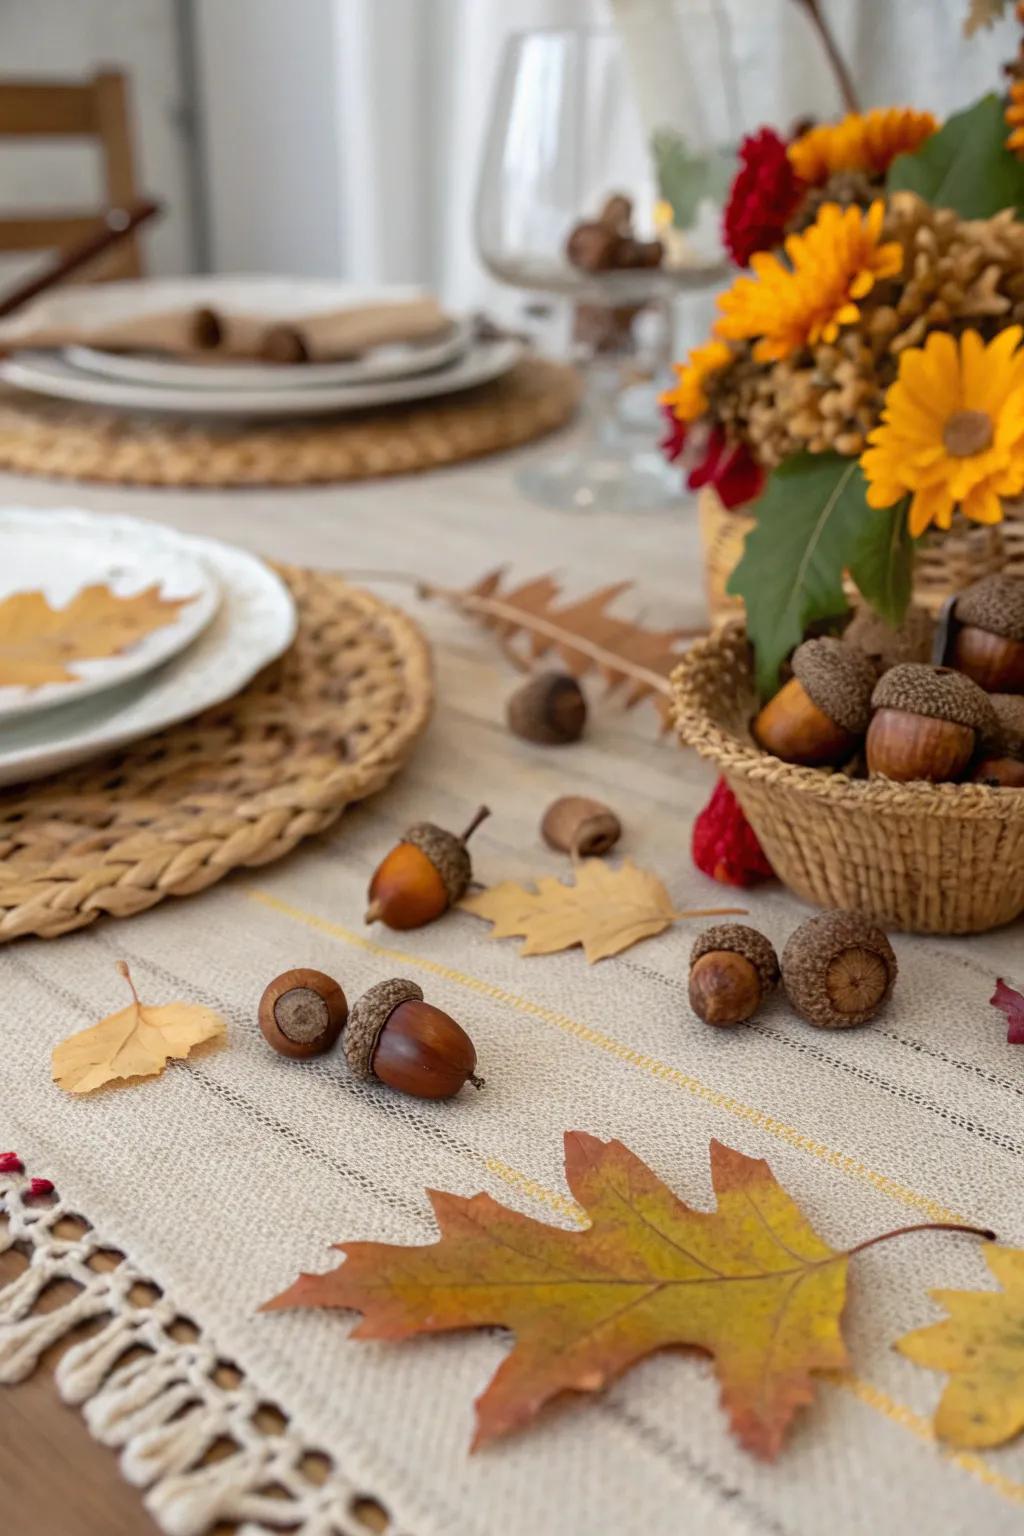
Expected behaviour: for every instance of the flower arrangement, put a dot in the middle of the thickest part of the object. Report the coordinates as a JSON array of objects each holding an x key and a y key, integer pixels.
[{"x": 863, "y": 385}]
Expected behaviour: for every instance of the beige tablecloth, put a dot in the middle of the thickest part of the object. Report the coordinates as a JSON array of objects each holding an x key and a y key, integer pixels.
[{"x": 230, "y": 1174}]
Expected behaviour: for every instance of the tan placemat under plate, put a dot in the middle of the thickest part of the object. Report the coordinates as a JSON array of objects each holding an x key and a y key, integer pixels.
[
  {"x": 81, "y": 442},
  {"x": 241, "y": 784}
]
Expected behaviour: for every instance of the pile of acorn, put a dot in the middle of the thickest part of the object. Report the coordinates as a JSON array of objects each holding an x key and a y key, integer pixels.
[{"x": 942, "y": 703}]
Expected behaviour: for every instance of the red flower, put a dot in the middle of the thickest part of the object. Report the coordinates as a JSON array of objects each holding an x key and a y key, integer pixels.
[
  {"x": 730, "y": 468},
  {"x": 762, "y": 199},
  {"x": 724, "y": 845},
  {"x": 674, "y": 441}
]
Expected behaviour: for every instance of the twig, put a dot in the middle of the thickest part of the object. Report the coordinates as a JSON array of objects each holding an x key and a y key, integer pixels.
[{"x": 844, "y": 79}]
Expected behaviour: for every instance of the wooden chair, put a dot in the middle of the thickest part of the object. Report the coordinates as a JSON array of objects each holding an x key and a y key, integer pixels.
[{"x": 97, "y": 109}]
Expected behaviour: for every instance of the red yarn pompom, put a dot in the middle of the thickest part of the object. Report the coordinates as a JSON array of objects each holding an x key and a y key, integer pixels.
[
  {"x": 10, "y": 1162},
  {"x": 762, "y": 199},
  {"x": 724, "y": 845},
  {"x": 38, "y": 1187}
]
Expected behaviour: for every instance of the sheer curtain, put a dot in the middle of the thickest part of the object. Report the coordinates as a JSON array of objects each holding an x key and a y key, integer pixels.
[{"x": 364, "y": 119}]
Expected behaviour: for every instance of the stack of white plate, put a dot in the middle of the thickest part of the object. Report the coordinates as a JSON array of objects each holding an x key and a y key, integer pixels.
[
  {"x": 132, "y": 381},
  {"x": 235, "y": 617}
]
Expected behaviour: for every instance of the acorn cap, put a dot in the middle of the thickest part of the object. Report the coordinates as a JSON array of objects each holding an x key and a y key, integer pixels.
[
  {"x": 838, "y": 679},
  {"x": 937, "y": 692},
  {"x": 809, "y": 954},
  {"x": 996, "y": 604},
  {"x": 738, "y": 939},
  {"x": 368, "y": 1017},
  {"x": 887, "y": 645},
  {"x": 448, "y": 854},
  {"x": 1009, "y": 710}
]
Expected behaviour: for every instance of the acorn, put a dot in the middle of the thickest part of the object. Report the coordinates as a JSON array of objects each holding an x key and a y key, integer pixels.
[
  {"x": 819, "y": 716},
  {"x": 887, "y": 645},
  {"x": 550, "y": 710},
  {"x": 617, "y": 213},
  {"x": 927, "y": 723},
  {"x": 584, "y": 828},
  {"x": 838, "y": 970},
  {"x": 987, "y": 640},
  {"x": 1002, "y": 766},
  {"x": 424, "y": 874},
  {"x": 592, "y": 246},
  {"x": 302, "y": 1013},
  {"x": 732, "y": 969},
  {"x": 394, "y": 1036}
]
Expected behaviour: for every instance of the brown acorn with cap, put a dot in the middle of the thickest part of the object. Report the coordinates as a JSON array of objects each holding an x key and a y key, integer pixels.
[
  {"x": 394, "y": 1036},
  {"x": 425, "y": 873},
  {"x": 986, "y": 639},
  {"x": 1002, "y": 765},
  {"x": 819, "y": 716},
  {"x": 927, "y": 723}
]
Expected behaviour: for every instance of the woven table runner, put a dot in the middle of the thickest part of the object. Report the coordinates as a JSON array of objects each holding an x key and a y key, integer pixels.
[{"x": 80, "y": 442}]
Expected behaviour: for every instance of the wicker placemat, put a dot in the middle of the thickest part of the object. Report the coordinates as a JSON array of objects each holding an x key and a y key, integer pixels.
[
  {"x": 241, "y": 784},
  {"x": 81, "y": 442}
]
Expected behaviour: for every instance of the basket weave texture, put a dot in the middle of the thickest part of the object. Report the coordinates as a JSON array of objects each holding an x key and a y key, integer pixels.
[
  {"x": 328, "y": 724},
  {"x": 82, "y": 442},
  {"x": 944, "y": 562},
  {"x": 924, "y": 858}
]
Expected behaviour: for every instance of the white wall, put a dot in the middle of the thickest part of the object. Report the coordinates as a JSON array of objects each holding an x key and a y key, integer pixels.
[{"x": 72, "y": 38}]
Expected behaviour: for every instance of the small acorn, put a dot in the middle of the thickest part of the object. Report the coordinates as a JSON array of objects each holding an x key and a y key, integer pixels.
[
  {"x": 987, "y": 639},
  {"x": 927, "y": 723},
  {"x": 592, "y": 246},
  {"x": 732, "y": 969},
  {"x": 617, "y": 213},
  {"x": 818, "y": 717},
  {"x": 838, "y": 970},
  {"x": 424, "y": 874},
  {"x": 550, "y": 709},
  {"x": 584, "y": 828},
  {"x": 394, "y": 1036},
  {"x": 302, "y": 1013},
  {"x": 1002, "y": 766},
  {"x": 886, "y": 645}
]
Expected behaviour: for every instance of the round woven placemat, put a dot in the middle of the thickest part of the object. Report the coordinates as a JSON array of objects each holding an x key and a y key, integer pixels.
[
  {"x": 241, "y": 784},
  {"x": 81, "y": 442}
]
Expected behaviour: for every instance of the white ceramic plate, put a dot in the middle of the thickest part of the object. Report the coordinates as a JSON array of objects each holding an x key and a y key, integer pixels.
[
  {"x": 173, "y": 372},
  {"x": 254, "y": 624},
  {"x": 59, "y": 553},
  {"x": 48, "y": 374}
]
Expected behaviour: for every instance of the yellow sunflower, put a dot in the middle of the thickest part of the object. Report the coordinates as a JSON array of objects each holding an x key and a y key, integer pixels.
[
  {"x": 689, "y": 400},
  {"x": 868, "y": 141},
  {"x": 952, "y": 430},
  {"x": 833, "y": 264},
  {"x": 1015, "y": 118}
]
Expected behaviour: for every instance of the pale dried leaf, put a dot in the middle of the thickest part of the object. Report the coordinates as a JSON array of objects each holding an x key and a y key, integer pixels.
[
  {"x": 983, "y": 13},
  {"x": 606, "y": 910},
  {"x": 38, "y": 643},
  {"x": 138, "y": 1041}
]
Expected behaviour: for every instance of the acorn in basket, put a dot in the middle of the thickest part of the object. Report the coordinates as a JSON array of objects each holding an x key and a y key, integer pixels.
[
  {"x": 986, "y": 635},
  {"x": 425, "y": 873},
  {"x": 819, "y": 716},
  {"x": 927, "y": 724},
  {"x": 1002, "y": 766}
]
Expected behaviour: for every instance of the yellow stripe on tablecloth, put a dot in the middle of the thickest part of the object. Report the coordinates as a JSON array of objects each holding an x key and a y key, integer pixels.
[{"x": 846, "y": 1163}]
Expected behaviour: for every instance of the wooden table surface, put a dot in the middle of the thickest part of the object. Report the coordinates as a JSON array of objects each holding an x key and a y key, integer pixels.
[{"x": 56, "y": 1480}]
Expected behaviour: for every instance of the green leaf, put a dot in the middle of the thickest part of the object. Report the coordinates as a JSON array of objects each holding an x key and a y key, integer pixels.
[
  {"x": 965, "y": 166},
  {"x": 810, "y": 525},
  {"x": 882, "y": 561}
]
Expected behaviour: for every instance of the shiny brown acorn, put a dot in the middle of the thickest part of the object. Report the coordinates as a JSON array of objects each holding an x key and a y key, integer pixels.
[
  {"x": 820, "y": 715},
  {"x": 987, "y": 634},
  {"x": 302, "y": 1013},
  {"x": 396, "y": 1037},
  {"x": 733, "y": 968},
  {"x": 424, "y": 874}
]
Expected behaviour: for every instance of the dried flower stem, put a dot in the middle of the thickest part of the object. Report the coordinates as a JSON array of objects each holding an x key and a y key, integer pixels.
[
  {"x": 923, "y": 1226},
  {"x": 844, "y": 79}
]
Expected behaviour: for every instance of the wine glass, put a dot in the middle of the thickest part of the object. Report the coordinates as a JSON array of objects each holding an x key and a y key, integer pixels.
[{"x": 586, "y": 124}]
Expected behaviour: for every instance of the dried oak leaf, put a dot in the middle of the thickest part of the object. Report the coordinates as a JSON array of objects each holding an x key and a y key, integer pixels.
[
  {"x": 38, "y": 642},
  {"x": 136, "y": 1042},
  {"x": 1010, "y": 1002},
  {"x": 750, "y": 1282},
  {"x": 606, "y": 910},
  {"x": 982, "y": 13},
  {"x": 981, "y": 1346}
]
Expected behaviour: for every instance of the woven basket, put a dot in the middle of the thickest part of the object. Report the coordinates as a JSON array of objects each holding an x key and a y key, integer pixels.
[
  {"x": 925, "y": 858},
  {"x": 944, "y": 563}
]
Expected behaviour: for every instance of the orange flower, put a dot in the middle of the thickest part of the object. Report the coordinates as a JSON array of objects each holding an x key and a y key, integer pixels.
[
  {"x": 868, "y": 141},
  {"x": 1015, "y": 118},
  {"x": 833, "y": 264},
  {"x": 689, "y": 400}
]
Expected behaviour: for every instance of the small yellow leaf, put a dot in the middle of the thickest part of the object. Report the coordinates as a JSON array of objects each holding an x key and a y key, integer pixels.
[
  {"x": 38, "y": 642},
  {"x": 138, "y": 1041},
  {"x": 981, "y": 1346},
  {"x": 606, "y": 910}
]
